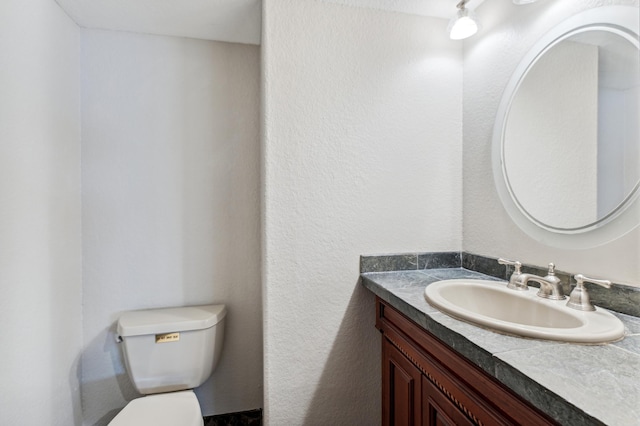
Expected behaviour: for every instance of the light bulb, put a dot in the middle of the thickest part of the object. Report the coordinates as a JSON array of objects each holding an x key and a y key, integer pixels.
[{"x": 463, "y": 25}]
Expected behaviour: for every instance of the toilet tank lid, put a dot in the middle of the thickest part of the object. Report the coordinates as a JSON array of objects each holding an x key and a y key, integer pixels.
[{"x": 169, "y": 320}]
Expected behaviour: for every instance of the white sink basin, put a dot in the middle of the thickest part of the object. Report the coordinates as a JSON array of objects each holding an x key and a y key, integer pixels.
[{"x": 491, "y": 304}]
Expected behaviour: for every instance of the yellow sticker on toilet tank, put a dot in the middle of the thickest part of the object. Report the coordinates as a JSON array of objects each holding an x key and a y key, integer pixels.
[{"x": 167, "y": 337}]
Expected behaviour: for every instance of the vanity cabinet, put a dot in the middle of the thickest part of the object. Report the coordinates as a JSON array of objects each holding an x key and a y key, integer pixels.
[{"x": 425, "y": 382}]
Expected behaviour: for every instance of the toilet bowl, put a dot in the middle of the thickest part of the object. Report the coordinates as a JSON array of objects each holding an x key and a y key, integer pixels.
[{"x": 168, "y": 352}]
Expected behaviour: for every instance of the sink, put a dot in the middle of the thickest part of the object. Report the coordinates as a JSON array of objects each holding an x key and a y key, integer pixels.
[{"x": 492, "y": 305}]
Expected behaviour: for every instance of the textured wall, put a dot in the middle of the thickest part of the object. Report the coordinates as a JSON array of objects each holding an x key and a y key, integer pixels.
[
  {"x": 489, "y": 60},
  {"x": 361, "y": 154},
  {"x": 40, "y": 269},
  {"x": 170, "y": 198}
]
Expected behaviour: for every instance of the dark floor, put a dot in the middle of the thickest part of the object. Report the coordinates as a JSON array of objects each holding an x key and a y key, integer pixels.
[{"x": 244, "y": 418}]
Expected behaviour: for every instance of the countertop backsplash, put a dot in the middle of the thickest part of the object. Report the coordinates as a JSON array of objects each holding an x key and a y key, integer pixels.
[{"x": 620, "y": 298}]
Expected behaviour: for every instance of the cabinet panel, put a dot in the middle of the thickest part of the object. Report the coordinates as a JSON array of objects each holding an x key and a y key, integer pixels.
[
  {"x": 401, "y": 382},
  {"x": 438, "y": 410},
  {"x": 456, "y": 391}
]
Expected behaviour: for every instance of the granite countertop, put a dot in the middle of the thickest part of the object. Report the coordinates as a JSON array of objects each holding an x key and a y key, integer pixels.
[{"x": 575, "y": 384}]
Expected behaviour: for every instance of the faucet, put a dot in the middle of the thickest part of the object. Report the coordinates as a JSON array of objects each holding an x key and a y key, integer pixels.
[{"x": 550, "y": 285}]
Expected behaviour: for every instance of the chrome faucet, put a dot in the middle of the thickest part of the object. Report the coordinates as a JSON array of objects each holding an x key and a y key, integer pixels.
[{"x": 550, "y": 285}]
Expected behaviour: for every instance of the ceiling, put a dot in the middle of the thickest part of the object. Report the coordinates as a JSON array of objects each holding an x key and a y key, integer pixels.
[
  {"x": 236, "y": 21},
  {"x": 223, "y": 20}
]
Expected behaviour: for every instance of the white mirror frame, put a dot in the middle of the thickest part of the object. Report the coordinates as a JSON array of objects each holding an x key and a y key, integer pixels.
[{"x": 627, "y": 216}]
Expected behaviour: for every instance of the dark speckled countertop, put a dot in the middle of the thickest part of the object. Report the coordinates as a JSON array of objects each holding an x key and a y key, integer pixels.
[{"x": 575, "y": 384}]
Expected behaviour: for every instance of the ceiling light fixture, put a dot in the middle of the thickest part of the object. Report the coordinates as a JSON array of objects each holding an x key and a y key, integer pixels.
[
  {"x": 464, "y": 24},
  {"x": 519, "y": 2}
]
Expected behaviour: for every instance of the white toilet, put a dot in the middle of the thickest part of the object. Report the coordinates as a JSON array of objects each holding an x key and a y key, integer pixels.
[{"x": 167, "y": 353}]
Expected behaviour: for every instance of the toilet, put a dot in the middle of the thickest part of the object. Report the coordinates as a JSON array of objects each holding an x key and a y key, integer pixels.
[{"x": 167, "y": 353}]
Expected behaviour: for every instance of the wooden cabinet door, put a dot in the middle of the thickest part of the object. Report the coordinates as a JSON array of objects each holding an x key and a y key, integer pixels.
[
  {"x": 464, "y": 394},
  {"x": 401, "y": 389},
  {"x": 438, "y": 410}
]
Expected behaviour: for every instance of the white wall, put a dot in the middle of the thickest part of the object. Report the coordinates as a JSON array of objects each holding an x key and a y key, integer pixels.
[
  {"x": 361, "y": 154},
  {"x": 489, "y": 60},
  {"x": 40, "y": 257},
  {"x": 170, "y": 198}
]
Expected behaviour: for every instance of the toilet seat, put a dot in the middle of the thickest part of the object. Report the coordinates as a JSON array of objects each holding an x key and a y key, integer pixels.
[{"x": 165, "y": 409}]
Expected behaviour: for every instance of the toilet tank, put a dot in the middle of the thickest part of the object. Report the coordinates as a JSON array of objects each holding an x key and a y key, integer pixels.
[{"x": 171, "y": 349}]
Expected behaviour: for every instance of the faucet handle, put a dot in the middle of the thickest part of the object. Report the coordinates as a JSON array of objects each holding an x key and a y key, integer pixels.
[
  {"x": 580, "y": 279},
  {"x": 579, "y": 298},
  {"x": 514, "y": 282},
  {"x": 515, "y": 263},
  {"x": 552, "y": 269}
]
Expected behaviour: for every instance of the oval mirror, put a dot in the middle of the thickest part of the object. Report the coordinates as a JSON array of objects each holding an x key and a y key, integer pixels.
[{"x": 567, "y": 140}]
